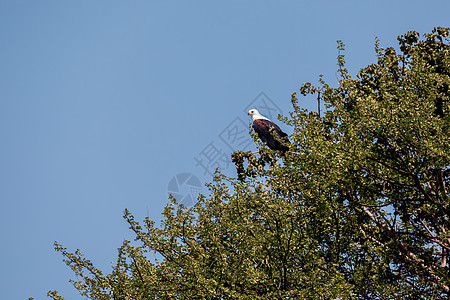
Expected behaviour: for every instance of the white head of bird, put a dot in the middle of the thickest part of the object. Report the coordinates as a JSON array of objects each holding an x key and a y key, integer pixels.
[{"x": 254, "y": 113}]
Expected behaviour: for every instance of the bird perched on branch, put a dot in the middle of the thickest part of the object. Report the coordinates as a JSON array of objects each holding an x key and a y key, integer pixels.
[{"x": 269, "y": 132}]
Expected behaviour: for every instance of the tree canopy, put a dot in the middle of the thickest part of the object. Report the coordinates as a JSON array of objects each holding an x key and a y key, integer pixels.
[{"x": 358, "y": 208}]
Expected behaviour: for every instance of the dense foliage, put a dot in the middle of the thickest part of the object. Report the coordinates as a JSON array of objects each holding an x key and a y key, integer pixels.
[{"x": 357, "y": 209}]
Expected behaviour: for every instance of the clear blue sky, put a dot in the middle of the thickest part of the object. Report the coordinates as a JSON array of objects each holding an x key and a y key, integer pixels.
[{"x": 102, "y": 103}]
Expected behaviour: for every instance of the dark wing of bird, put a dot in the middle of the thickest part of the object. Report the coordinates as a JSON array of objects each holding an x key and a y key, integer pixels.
[{"x": 266, "y": 134}]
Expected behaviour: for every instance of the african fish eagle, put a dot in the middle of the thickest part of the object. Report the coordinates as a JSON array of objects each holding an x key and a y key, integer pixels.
[{"x": 266, "y": 130}]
